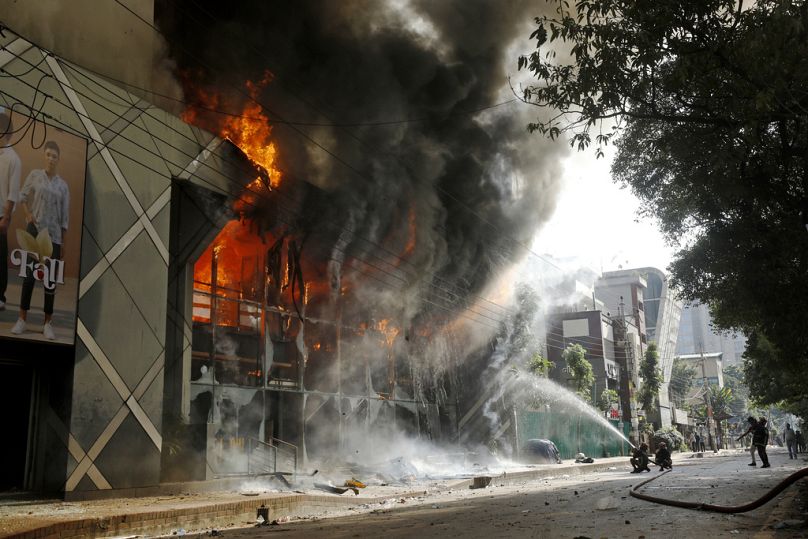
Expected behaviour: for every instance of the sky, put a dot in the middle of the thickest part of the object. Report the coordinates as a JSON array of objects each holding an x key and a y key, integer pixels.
[{"x": 596, "y": 222}]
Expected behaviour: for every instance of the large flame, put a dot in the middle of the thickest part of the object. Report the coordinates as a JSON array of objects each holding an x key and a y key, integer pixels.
[
  {"x": 250, "y": 130},
  {"x": 239, "y": 262},
  {"x": 238, "y": 250}
]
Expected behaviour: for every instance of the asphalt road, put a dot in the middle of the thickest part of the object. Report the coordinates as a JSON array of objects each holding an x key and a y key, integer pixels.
[{"x": 594, "y": 506}]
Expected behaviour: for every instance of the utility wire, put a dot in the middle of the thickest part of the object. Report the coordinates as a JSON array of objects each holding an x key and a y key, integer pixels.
[
  {"x": 457, "y": 292},
  {"x": 326, "y": 150},
  {"x": 373, "y": 244},
  {"x": 118, "y": 134},
  {"x": 356, "y": 258}
]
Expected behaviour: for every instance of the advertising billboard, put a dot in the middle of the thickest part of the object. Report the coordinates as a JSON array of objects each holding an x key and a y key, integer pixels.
[{"x": 42, "y": 172}]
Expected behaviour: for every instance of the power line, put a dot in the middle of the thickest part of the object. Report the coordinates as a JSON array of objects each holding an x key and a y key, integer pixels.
[
  {"x": 117, "y": 133},
  {"x": 456, "y": 292},
  {"x": 374, "y": 244},
  {"x": 240, "y": 185},
  {"x": 327, "y": 151}
]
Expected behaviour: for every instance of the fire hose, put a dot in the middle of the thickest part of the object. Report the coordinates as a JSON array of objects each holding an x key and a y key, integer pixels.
[{"x": 781, "y": 486}]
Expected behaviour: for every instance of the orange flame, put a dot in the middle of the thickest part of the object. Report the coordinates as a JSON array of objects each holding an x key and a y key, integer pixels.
[
  {"x": 390, "y": 333},
  {"x": 250, "y": 130}
]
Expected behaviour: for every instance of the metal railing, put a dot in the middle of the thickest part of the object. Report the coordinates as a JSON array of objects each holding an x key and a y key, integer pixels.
[{"x": 275, "y": 456}]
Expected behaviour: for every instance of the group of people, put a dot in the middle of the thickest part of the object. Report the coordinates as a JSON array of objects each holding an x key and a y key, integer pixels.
[
  {"x": 639, "y": 459},
  {"x": 44, "y": 199},
  {"x": 696, "y": 442},
  {"x": 760, "y": 438}
]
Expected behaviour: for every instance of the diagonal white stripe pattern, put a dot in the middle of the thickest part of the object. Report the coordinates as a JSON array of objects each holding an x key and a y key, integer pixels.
[
  {"x": 100, "y": 145},
  {"x": 120, "y": 246}
]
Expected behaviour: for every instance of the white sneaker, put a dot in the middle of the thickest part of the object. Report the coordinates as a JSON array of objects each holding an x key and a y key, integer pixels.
[
  {"x": 19, "y": 327},
  {"x": 47, "y": 330}
]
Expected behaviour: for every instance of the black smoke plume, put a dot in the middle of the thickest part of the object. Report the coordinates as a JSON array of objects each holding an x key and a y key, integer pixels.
[{"x": 475, "y": 184}]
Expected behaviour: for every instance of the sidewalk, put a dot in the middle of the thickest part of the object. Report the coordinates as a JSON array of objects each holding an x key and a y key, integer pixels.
[{"x": 195, "y": 512}]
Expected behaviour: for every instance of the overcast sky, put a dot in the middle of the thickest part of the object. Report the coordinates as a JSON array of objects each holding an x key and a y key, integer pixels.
[{"x": 596, "y": 221}]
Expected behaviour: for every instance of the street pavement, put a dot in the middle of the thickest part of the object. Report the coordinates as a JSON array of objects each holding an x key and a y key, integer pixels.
[
  {"x": 568, "y": 500},
  {"x": 591, "y": 506}
]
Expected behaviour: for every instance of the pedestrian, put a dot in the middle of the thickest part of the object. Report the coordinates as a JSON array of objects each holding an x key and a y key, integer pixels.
[
  {"x": 800, "y": 442},
  {"x": 699, "y": 445},
  {"x": 760, "y": 437},
  {"x": 663, "y": 457},
  {"x": 692, "y": 442},
  {"x": 639, "y": 459},
  {"x": 791, "y": 441},
  {"x": 752, "y": 424}
]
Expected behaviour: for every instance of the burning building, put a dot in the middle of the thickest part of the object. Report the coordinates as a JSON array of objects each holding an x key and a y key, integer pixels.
[{"x": 238, "y": 287}]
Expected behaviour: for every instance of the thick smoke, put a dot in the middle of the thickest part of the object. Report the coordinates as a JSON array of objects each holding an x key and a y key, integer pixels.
[{"x": 472, "y": 183}]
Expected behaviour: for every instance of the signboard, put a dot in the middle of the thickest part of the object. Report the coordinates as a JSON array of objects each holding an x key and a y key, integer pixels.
[{"x": 42, "y": 173}]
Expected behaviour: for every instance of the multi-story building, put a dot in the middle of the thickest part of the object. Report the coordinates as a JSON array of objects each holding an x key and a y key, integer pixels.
[
  {"x": 189, "y": 322},
  {"x": 709, "y": 369},
  {"x": 696, "y": 335},
  {"x": 644, "y": 296},
  {"x": 611, "y": 347}
]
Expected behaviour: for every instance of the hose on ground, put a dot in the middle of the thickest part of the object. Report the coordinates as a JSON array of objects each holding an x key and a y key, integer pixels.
[{"x": 781, "y": 486}]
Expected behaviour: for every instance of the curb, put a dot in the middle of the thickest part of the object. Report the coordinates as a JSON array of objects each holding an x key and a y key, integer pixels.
[{"x": 242, "y": 512}]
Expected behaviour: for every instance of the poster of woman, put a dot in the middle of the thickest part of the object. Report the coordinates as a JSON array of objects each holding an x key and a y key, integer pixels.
[{"x": 42, "y": 173}]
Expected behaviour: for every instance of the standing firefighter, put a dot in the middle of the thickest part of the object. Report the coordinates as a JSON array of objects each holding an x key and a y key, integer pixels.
[
  {"x": 760, "y": 437},
  {"x": 791, "y": 441},
  {"x": 752, "y": 424}
]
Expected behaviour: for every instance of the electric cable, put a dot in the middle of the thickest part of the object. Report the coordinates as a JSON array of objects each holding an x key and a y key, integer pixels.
[
  {"x": 462, "y": 314},
  {"x": 372, "y": 243},
  {"x": 359, "y": 259},
  {"x": 239, "y": 184},
  {"x": 326, "y": 150}
]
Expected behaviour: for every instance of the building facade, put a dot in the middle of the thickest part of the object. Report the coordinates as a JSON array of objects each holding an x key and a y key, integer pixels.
[
  {"x": 644, "y": 295},
  {"x": 696, "y": 335},
  {"x": 199, "y": 324},
  {"x": 610, "y": 347}
]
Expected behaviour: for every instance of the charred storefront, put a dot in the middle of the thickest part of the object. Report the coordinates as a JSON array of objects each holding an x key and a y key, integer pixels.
[
  {"x": 292, "y": 343},
  {"x": 307, "y": 259},
  {"x": 219, "y": 307}
]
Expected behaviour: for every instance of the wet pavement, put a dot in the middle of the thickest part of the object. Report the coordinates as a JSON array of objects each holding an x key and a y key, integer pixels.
[{"x": 569, "y": 489}]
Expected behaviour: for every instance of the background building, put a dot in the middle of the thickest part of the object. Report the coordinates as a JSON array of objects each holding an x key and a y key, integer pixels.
[
  {"x": 643, "y": 295},
  {"x": 611, "y": 345},
  {"x": 696, "y": 335}
]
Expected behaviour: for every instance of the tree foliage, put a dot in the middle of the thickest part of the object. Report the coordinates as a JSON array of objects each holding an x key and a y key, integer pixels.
[
  {"x": 607, "y": 397},
  {"x": 648, "y": 395},
  {"x": 579, "y": 369},
  {"x": 540, "y": 365},
  {"x": 721, "y": 399},
  {"x": 707, "y": 103},
  {"x": 775, "y": 378},
  {"x": 672, "y": 438},
  {"x": 733, "y": 379}
]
